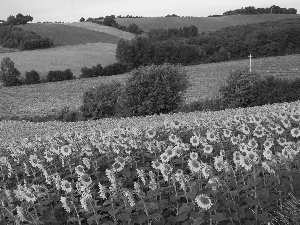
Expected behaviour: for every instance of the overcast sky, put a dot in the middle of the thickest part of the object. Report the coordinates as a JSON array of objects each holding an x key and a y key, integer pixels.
[{"x": 73, "y": 10}]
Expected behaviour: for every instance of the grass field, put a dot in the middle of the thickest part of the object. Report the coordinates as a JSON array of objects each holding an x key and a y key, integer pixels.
[
  {"x": 44, "y": 99},
  {"x": 202, "y": 23},
  {"x": 78, "y": 45},
  {"x": 70, "y": 35}
]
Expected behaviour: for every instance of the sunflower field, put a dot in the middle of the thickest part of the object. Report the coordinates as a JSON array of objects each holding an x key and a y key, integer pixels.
[{"x": 234, "y": 167}]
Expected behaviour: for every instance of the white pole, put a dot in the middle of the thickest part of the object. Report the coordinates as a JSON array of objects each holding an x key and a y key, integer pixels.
[{"x": 250, "y": 62}]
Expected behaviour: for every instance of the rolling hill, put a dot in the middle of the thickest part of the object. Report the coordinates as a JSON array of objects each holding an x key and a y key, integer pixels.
[
  {"x": 47, "y": 98},
  {"x": 62, "y": 34},
  {"x": 77, "y": 45},
  {"x": 202, "y": 23}
]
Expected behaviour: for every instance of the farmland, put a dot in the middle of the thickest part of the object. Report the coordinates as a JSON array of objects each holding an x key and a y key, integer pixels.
[
  {"x": 202, "y": 23},
  {"x": 63, "y": 34},
  {"x": 47, "y": 98},
  {"x": 77, "y": 45},
  {"x": 231, "y": 166}
]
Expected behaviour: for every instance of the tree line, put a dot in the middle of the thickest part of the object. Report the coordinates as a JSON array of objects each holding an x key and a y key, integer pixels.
[
  {"x": 233, "y": 43},
  {"x": 252, "y": 10},
  {"x": 111, "y": 22},
  {"x": 14, "y": 37}
]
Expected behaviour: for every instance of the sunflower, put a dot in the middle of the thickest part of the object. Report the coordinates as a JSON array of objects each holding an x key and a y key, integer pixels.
[
  {"x": 203, "y": 201},
  {"x": 234, "y": 140},
  {"x": 252, "y": 143},
  {"x": 226, "y": 133},
  {"x": 29, "y": 197},
  {"x": 48, "y": 156},
  {"x": 79, "y": 170},
  {"x": 66, "y": 186},
  {"x": 35, "y": 162},
  {"x": 245, "y": 129},
  {"x": 267, "y": 154},
  {"x": 194, "y": 140},
  {"x": 258, "y": 133},
  {"x": 66, "y": 150},
  {"x": 150, "y": 133},
  {"x": 211, "y": 136},
  {"x": 85, "y": 179},
  {"x": 193, "y": 155},
  {"x": 281, "y": 141},
  {"x": 208, "y": 149},
  {"x": 175, "y": 124},
  {"x": 194, "y": 165},
  {"x": 218, "y": 163},
  {"x": 252, "y": 156},
  {"x": 295, "y": 132},
  {"x": 245, "y": 162},
  {"x": 286, "y": 123},
  {"x": 268, "y": 143},
  {"x": 156, "y": 164},
  {"x": 173, "y": 138},
  {"x": 279, "y": 130},
  {"x": 206, "y": 171},
  {"x": 295, "y": 115},
  {"x": 117, "y": 167},
  {"x": 236, "y": 157},
  {"x": 164, "y": 157},
  {"x": 170, "y": 152}
]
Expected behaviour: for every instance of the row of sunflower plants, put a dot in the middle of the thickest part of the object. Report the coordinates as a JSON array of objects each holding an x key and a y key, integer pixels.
[{"x": 237, "y": 169}]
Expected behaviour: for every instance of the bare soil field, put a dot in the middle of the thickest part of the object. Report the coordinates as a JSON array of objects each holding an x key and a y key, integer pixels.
[
  {"x": 105, "y": 29},
  {"x": 205, "y": 79},
  {"x": 202, "y": 23}
]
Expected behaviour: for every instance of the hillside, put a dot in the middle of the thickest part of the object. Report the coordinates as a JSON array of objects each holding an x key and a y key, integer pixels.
[
  {"x": 63, "y": 57},
  {"x": 47, "y": 98},
  {"x": 69, "y": 35},
  {"x": 202, "y": 23}
]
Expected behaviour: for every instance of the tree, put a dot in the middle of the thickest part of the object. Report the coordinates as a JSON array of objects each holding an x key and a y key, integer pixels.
[
  {"x": 11, "y": 20},
  {"x": 9, "y": 75},
  {"x": 155, "y": 89},
  {"x": 82, "y": 19}
]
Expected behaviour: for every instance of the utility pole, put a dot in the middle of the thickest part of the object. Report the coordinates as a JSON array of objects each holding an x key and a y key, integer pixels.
[{"x": 250, "y": 62}]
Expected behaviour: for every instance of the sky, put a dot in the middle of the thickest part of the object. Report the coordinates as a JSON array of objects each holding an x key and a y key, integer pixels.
[{"x": 73, "y": 10}]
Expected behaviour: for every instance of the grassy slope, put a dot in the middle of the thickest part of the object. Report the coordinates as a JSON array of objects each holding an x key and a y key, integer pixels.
[
  {"x": 203, "y": 23},
  {"x": 69, "y": 35},
  {"x": 63, "y": 57},
  {"x": 42, "y": 99}
]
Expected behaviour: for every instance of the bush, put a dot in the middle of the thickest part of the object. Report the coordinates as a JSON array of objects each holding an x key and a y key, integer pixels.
[
  {"x": 67, "y": 114},
  {"x": 9, "y": 75},
  {"x": 58, "y": 75},
  {"x": 115, "y": 69},
  {"x": 32, "y": 77},
  {"x": 155, "y": 89},
  {"x": 101, "y": 101},
  {"x": 239, "y": 89},
  {"x": 213, "y": 104},
  {"x": 95, "y": 71}
]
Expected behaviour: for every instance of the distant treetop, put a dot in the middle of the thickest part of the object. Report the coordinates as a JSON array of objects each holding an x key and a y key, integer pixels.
[
  {"x": 18, "y": 19},
  {"x": 252, "y": 10}
]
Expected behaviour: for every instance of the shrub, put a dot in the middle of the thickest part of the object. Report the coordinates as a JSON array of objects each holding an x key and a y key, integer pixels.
[
  {"x": 68, "y": 114},
  {"x": 9, "y": 75},
  {"x": 32, "y": 77},
  {"x": 155, "y": 89},
  {"x": 58, "y": 75},
  {"x": 115, "y": 69},
  {"x": 239, "y": 89},
  {"x": 101, "y": 101},
  {"x": 213, "y": 104},
  {"x": 95, "y": 71}
]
